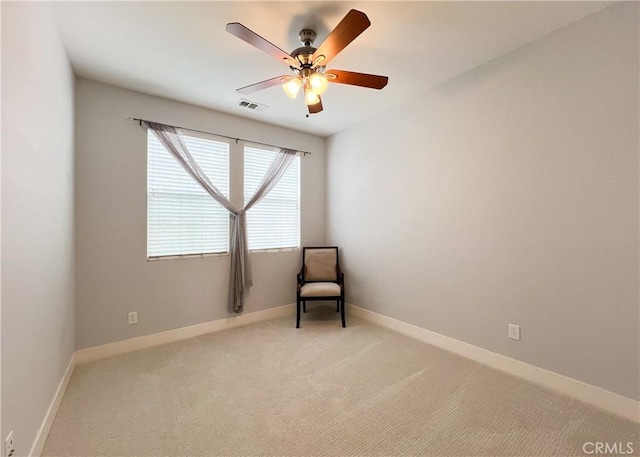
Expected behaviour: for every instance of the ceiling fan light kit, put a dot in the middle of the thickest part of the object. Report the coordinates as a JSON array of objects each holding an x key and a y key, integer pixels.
[{"x": 308, "y": 63}]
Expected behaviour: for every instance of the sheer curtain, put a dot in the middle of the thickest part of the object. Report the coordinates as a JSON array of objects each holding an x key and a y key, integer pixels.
[{"x": 240, "y": 279}]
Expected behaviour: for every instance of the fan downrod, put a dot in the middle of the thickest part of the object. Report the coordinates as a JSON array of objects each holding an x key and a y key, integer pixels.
[{"x": 304, "y": 54}]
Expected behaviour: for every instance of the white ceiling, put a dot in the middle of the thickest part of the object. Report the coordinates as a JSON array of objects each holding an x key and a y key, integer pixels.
[{"x": 180, "y": 50}]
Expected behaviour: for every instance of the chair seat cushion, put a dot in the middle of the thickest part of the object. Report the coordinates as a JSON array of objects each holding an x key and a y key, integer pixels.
[{"x": 320, "y": 289}]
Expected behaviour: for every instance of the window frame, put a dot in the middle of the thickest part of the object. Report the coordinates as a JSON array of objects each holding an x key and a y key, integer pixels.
[
  {"x": 272, "y": 149},
  {"x": 236, "y": 166},
  {"x": 201, "y": 136}
]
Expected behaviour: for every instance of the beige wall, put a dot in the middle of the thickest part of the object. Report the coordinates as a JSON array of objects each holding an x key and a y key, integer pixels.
[
  {"x": 113, "y": 275},
  {"x": 37, "y": 218},
  {"x": 507, "y": 195}
]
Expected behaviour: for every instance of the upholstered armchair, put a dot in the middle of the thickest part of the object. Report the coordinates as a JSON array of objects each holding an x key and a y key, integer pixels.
[{"x": 320, "y": 278}]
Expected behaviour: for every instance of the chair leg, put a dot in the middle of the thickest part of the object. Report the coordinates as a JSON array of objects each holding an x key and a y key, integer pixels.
[
  {"x": 304, "y": 306},
  {"x": 298, "y": 313},
  {"x": 344, "y": 324},
  {"x": 337, "y": 306}
]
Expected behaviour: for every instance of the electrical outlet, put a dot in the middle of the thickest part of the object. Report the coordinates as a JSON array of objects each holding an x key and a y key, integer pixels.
[
  {"x": 9, "y": 448},
  {"x": 514, "y": 332},
  {"x": 133, "y": 318}
]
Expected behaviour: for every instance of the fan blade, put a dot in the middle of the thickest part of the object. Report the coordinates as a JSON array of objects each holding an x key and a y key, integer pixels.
[
  {"x": 356, "y": 79},
  {"x": 352, "y": 25},
  {"x": 251, "y": 37},
  {"x": 314, "y": 109},
  {"x": 264, "y": 84}
]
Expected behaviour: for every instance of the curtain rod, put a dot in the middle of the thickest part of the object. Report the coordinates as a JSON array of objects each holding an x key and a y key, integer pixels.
[{"x": 217, "y": 134}]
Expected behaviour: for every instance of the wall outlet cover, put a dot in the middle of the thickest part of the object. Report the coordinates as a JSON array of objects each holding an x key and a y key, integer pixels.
[
  {"x": 514, "y": 332},
  {"x": 133, "y": 318}
]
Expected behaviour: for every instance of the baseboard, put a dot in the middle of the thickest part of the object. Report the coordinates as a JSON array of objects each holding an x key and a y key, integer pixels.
[
  {"x": 596, "y": 396},
  {"x": 43, "y": 432},
  {"x": 183, "y": 333}
]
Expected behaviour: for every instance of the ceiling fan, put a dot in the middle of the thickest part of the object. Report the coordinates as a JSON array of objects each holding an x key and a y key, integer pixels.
[{"x": 308, "y": 63}]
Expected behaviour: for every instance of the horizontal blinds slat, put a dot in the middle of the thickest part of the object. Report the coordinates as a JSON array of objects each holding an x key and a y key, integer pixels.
[
  {"x": 275, "y": 221},
  {"x": 182, "y": 218}
]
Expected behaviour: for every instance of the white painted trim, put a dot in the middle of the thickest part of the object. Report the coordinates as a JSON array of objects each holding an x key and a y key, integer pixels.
[
  {"x": 45, "y": 428},
  {"x": 178, "y": 334},
  {"x": 596, "y": 396}
]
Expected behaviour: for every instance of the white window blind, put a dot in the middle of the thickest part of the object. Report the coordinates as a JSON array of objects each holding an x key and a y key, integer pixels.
[
  {"x": 275, "y": 221},
  {"x": 183, "y": 219}
]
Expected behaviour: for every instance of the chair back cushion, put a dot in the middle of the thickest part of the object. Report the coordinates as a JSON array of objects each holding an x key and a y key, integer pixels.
[{"x": 320, "y": 264}]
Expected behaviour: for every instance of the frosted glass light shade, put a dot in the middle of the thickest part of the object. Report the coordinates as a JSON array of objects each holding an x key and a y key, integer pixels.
[
  {"x": 318, "y": 83},
  {"x": 310, "y": 97},
  {"x": 292, "y": 87}
]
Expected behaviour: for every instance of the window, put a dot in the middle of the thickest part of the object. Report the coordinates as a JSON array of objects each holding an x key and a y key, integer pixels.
[
  {"x": 183, "y": 219},
  {"x": 274, "y": 223}
]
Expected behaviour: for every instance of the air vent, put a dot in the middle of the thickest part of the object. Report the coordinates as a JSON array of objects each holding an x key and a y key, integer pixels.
[{"x": 252, "y": 105}]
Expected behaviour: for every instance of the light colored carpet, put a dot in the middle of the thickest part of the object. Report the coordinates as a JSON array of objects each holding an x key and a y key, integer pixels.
[{"x": 269, "y": 389}]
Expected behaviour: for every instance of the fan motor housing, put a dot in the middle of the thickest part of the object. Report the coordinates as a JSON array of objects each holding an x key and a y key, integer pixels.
[{"x": 304, "y": 55}]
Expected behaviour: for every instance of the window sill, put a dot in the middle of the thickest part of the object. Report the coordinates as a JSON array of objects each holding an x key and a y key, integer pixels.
[
  {"x": 216, "y": 254},
  {"x": 260, "y": 251},
  {"x": 186, "y": 256}
]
